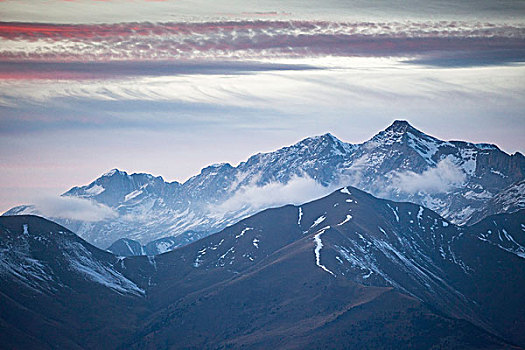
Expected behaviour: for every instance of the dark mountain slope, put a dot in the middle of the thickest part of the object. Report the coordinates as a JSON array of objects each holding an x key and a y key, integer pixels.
[
  {"x": 496, "y": 275},
  {"x": 129, "y": 247},
  {"x": 345, "y": 271},
  {"x": 284, "y": 303},
  {"x": 57, "y": 290},
  {"x": 290, "y": 260}
]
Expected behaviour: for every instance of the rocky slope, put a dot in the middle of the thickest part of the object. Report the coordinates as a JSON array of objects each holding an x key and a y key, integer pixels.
[
  {"x": 509, "y": 200},
  {"x": 56, "y": 290}
]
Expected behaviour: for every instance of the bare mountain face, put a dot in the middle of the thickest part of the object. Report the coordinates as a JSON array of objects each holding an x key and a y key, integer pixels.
[
  {"x": 509, "y": 200},
  {"x": 456, "y": 179},
  {"x": 58, "y": 291},
  {"x": 345, "y": 271}
]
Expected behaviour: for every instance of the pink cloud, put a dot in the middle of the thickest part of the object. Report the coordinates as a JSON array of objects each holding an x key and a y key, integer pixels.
[{"x": 239, "y": 40}]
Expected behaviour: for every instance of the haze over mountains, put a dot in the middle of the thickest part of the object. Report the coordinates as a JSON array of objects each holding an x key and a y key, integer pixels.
[
  {"x": 459, "y": 180},
  {"x": 345, "y": 271}
]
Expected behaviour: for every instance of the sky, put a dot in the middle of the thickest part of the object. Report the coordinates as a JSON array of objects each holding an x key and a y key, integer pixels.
[{"x": 169, "y": 87}]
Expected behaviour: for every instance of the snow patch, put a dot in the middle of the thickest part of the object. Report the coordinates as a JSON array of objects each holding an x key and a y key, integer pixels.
[
  {"x": 478, "y": 195},
  {"x": 394, "y": 211},
  {"x": 345, "y": 191},
  {"x": 507, "y": 236},
  {"x": 198, "y": 260},
  {"x": 113, "y": 172},
  {"x": 318, "y": 221},
  {"x": 368, "y": 275},
  {"x": 152, "y": 261},
  {"x": 95, "y": 190},
  {"x": 163, "y": 247},
  {"x": 420, "y": 215},
  {"x": 82, "y": 261},
  {"x": 425, "y": 148},
  {"x": 243, "y": 232},
  {"x": 129, "y": 248},
  {"x": 495, "y": 172},
  {"x": 469, "y": 160},
  {"x": 25, "y": 269},
  {"x": 317, "y": 250},
  {"x": 132, "y": 195},
  {"x": 221, "y": 262},
  {"x": 348, "y": 217}
]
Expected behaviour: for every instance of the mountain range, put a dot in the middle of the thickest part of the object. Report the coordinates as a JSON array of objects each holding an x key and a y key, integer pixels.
[
  {"x": 463, "y": 182},
  {"x": 348, "y": 270}
]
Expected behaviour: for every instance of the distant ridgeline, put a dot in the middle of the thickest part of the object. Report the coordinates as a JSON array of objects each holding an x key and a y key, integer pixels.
[{"x": 462, "y": 181}]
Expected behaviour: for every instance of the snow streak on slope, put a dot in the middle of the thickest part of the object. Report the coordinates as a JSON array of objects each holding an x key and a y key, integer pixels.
[
  {"x": 317, "y": 250},
  {"x": 82, "y": 261},
  {"x": 23, "y": 255}
]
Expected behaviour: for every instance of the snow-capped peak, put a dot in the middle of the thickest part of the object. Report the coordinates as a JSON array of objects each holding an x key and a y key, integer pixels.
[
  {"x": 113, "y": 172},
  {"x": 215, "y": 167},
  {"x": 328, "y": 137},
  {"x": 401, "y": 133},
  {"x": 486, "y": 146},
  {"x": 326, "y": 141},
  {"x": 398, "y": 132},
  {"x": 401, "y": 126}
]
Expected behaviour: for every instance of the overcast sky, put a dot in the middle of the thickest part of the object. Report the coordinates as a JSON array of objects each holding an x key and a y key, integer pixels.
[{"x": 168, "y": 87}]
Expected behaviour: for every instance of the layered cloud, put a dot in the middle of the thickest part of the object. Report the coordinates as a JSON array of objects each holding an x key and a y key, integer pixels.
[{"x": 423, "y": 42}]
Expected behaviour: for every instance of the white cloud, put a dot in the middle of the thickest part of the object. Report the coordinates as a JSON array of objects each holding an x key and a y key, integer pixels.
[
  {"x": 444, "y": 176},
  {"x": 73, "y": 208},
  {"x": 253, "y": 198}
]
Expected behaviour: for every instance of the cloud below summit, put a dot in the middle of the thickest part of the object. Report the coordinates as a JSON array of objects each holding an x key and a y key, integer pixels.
[
  {"x": 439, "y": 179},
  {"x": 73, "y": 209},
  {"x": 253, "y": 198}
]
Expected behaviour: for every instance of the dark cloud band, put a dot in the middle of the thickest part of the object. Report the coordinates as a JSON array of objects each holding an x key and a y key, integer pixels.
[{"x": 121, "y": 69}]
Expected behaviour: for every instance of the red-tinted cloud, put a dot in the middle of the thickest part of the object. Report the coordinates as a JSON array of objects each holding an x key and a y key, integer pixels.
[{"x": 241, "y": 40}]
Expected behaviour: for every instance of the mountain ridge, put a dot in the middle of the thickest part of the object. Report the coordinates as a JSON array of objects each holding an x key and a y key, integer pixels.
[
  {"x": 334, "y": 271},
  {"x": 455, "y": 178}
]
